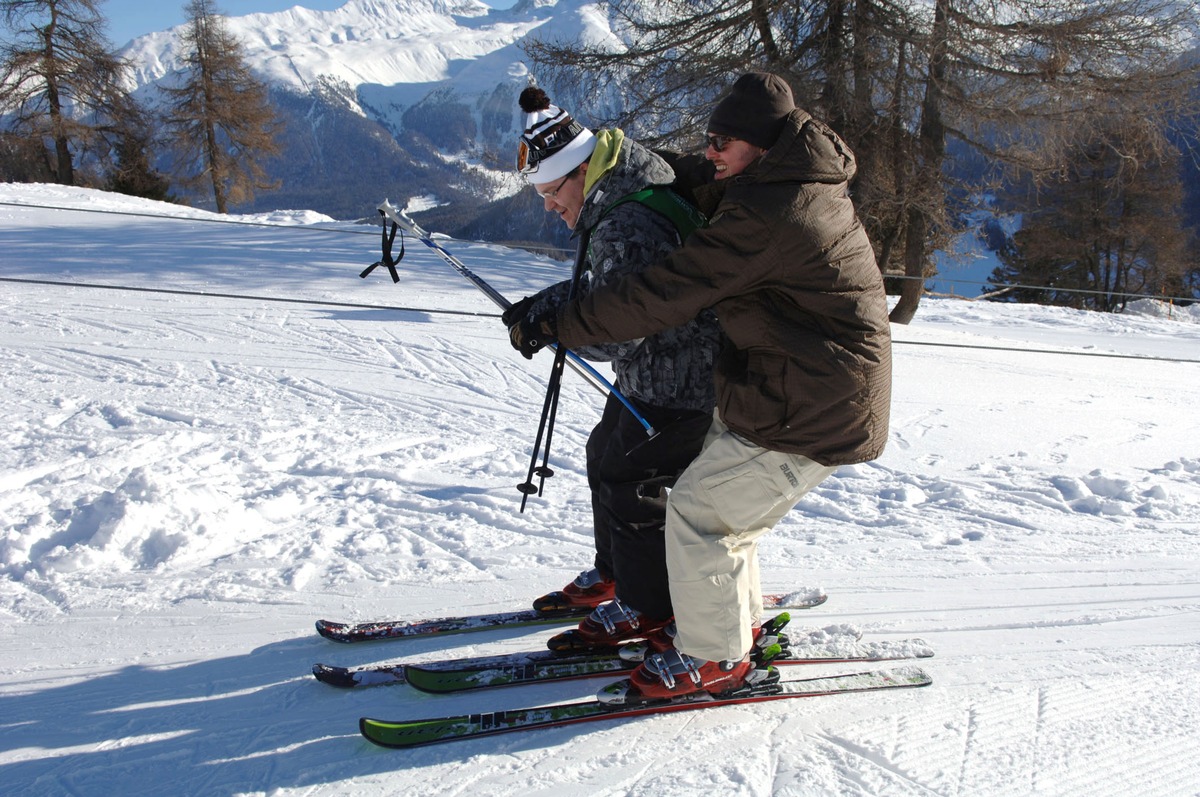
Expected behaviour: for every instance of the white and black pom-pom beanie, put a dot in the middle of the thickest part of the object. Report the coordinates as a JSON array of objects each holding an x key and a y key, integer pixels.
[{"x": 553, "y": 143}]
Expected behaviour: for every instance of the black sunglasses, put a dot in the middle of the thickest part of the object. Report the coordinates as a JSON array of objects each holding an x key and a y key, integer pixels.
[{"x": 719, "y": 143}]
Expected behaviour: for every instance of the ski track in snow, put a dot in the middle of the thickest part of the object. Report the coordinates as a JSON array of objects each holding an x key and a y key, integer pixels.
[{"x": 188, "y": 482}]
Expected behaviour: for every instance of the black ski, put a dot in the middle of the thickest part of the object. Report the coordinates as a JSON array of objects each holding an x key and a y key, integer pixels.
[
  {"x": 834, "y": 645},
  {"x": 403, "y": 629}
]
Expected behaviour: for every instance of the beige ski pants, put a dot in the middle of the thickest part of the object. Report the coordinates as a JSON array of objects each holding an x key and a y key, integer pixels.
[{"x": 731, "y": 494}]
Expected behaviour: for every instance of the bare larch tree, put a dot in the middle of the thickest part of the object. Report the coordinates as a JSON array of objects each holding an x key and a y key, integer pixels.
[
  {"x": 904, "y": 81},
  {"x": 219, "y": 115},
  {"x": 60, "y": 82}
]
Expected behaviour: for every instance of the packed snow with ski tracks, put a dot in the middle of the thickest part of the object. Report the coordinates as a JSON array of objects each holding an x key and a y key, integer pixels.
[{"x": 188, "y": 481}]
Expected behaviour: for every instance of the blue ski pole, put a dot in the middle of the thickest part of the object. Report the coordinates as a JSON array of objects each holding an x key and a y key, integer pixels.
[{"x": 581, "y": 366}]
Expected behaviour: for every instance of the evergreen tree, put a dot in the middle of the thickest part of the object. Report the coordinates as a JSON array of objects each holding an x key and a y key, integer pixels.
[
  {"x": 131, "y": 171},
  {"x": 23, "y": 160},
  {"x": 221, "y": 121},
  {"x": 59, "y": 80}
]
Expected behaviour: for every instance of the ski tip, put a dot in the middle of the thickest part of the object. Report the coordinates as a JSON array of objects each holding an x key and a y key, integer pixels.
[
  {"x": 334, "y": 676},
  {"x": 908, "y": 676},
  {"x": 370, "y": 730},
  {"x": 807, "y": 598},
  {"x": 418, "y": 733},
  {"x": 334, "y": 632}
]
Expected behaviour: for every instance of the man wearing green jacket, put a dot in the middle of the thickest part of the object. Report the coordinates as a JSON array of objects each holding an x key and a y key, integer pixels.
[
  {"x": 803, "y": 379},
  {"x": 597, "y": 183}
]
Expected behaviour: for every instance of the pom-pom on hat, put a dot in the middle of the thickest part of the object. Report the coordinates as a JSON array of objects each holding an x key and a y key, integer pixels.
[
  {"x": 754, "y": 110},
  {"x": 553, "y": 143}
]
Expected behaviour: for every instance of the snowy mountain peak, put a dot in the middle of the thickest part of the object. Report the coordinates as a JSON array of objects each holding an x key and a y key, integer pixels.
[
  {"x": 445, "y": 71},
  {"x": 393, "y": 8},
  {"x": 378, "y": 41}
]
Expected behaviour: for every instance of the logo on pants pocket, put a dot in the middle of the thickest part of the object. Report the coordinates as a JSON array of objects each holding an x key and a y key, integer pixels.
[{"x": 791, "y": 477}]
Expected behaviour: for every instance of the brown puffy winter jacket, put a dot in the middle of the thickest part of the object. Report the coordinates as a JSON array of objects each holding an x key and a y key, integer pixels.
[{"x": 786, "y": 266}]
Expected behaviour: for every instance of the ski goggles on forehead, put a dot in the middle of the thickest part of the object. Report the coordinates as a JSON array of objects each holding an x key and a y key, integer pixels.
[
  {"x": 532, "y": 151},
  {"x": 527, "y": 158}
]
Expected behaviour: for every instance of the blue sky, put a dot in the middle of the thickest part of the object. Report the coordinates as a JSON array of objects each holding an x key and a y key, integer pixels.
[{"x": 128, "y": 19}]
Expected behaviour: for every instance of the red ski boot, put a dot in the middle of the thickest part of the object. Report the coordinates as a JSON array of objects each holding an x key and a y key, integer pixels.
[
  {"x": 588, "y": 590},
  {"x": 663, "y": 676},
  {"x": 609, "y": 625}
]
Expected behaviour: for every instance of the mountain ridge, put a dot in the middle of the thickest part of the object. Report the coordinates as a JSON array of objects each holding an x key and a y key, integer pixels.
[{"x": 434, "y": 84}]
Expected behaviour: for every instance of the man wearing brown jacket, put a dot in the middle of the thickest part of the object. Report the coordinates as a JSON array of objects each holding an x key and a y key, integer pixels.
[{"x": 803, "y": 379}]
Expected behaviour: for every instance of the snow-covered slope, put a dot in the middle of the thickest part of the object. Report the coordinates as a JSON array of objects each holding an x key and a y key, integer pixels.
[{"x": 188, "y": 481}]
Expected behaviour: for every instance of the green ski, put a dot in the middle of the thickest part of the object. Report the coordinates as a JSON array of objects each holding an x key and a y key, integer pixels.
[{"x": 419, "y": 732}]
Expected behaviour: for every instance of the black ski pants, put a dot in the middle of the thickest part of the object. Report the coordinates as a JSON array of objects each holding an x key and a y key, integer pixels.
[{"x": 628, "y": 473}]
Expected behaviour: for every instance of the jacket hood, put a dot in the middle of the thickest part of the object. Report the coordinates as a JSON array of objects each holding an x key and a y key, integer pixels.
[
  {"x": 636, "y": 168},
  {"x": 807, "y": 151}
]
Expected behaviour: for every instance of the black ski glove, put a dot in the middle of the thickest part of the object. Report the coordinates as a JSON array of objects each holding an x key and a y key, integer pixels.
[
  {"x": 517, "y": 311},
  {"x": 531, "y": 334}
]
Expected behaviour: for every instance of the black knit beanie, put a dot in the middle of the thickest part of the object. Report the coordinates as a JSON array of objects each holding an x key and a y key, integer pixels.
[{"x": 754, "y": 110}]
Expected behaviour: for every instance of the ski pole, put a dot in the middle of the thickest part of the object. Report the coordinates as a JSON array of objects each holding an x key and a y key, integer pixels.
[
  {"x": 400, "y": 218},
  {"x": 546, "y": 428}
]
